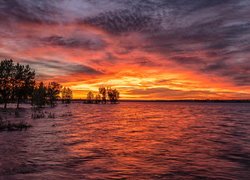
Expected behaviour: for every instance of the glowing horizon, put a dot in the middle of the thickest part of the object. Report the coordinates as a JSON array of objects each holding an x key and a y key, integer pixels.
[{"x": 148, "y": 50}]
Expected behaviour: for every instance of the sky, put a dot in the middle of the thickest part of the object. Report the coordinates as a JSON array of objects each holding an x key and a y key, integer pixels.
[{"x": 147, "y": 49}]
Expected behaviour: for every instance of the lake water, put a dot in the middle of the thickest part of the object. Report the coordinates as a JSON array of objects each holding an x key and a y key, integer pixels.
[{"x": 131, "y": 140}]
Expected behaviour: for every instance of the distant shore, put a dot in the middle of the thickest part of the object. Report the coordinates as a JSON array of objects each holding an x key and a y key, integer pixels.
[
  {"x": 189, "y": 100},
  {"x": 160, "y": 101}
]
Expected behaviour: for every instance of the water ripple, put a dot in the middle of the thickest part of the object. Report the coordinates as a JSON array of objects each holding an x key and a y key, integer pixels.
[{"x": 132, "y": 141}]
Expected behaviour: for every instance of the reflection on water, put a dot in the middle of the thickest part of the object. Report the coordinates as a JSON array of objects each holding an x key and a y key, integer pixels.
[{"x": 133, "y": 141}]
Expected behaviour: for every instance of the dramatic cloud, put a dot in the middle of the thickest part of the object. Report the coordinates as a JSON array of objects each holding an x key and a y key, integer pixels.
[
  {"x": 149, "y": 49},
  {"x": 80, "y": 42},
  {"x": 64, "y": 68},
  {"x": 123, "y": 21},
  {"x": 27, "y": 11}
]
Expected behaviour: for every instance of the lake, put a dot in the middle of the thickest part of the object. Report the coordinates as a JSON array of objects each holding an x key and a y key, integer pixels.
[{"x": 131, "y": 140}]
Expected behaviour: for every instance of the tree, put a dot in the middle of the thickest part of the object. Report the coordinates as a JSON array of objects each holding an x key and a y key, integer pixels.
[
  {"x": 90, "y": 97},
  {"x": 24, "y": 82},
  {"x": 103, "y": 92},
  {"x": 53, "y": 91},
  {"x": 39, "y": 95},
  {"x": 6, "y": 80},
  {"x": 67, "y": 95},
  {"x": 16, "y": 82},
  {"x": 113, "y": 95},
  {"x": 98, "y": 99}
]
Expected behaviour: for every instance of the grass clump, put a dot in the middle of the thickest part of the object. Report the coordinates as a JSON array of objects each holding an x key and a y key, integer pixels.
[
  {"x": 42, "y": 114},
  {"x": 51, "y": 116},
  {"x": 8, "y": 126},
  {"x": 38, "y": 115}
]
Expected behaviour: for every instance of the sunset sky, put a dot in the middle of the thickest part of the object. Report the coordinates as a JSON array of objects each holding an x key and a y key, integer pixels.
[{"x": 147, "y": 49}]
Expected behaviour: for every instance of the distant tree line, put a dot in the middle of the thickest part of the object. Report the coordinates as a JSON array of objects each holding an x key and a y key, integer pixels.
[
  {"x": 103, "y": 96},
  {"x": 17, "y": 84}
]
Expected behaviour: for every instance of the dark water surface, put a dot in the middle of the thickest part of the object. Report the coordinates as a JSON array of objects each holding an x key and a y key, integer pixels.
[{"x": 132, "y": 140}]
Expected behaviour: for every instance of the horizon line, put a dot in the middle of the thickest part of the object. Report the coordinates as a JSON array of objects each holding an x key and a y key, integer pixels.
[{"x": 177, "y": 100}]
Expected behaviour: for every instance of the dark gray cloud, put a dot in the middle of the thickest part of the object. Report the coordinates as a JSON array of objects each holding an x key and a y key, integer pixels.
[
  {"x": 220, "y": 31},
  {"x": 27, "y": 11},
  {"x": 183, "y": 60},
  {"x": 123, "y": 21},
  {"x": 215, "y": 66},
  {"x": 91, "y": 43},
  {"x": 239, "y": 73},
  {"x": 62, "y": 67}
]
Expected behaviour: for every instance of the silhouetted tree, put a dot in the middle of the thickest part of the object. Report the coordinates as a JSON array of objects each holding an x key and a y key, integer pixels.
[
  {"x": 39, "y": 95},
  {"x": 67, "y": 95},
  {"x": 90, "y": 97},
  {"x": 7, "y": 68},
  {"x": 98, "y": 99},
  {"x": 113, "y": 95},
  {"x": 24, "y": 82},
  {"x": 53, "y": 91},
  {"x": 103, "y": 92},
  {"x": 16, "y": 82}
]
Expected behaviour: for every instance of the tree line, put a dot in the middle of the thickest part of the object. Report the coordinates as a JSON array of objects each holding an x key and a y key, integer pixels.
[
  {"x": 103, "y": 96},
  {"x": 17, "y": 84}
]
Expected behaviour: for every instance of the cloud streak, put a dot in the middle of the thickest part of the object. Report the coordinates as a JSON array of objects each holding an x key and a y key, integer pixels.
[{"x": 80, "y": 42}]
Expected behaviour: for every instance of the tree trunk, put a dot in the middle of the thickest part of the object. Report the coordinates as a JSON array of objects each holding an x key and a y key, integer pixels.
[
  {"x": 5, "y": 105},
  {"x": 18, "y": 102}
]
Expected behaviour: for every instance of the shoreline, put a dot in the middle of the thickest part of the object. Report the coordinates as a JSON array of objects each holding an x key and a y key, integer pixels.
[
  {"x": 198, "y": 101},
  {"x": 12, "y": 105}
]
